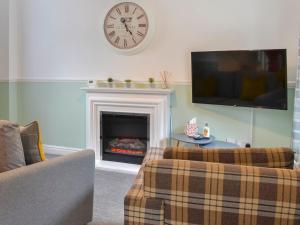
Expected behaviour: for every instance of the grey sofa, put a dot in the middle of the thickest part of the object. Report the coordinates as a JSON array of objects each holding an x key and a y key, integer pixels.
[{"x": 54, "y": 192}]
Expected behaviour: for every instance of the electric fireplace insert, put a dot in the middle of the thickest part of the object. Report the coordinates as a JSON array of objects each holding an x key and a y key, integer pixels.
[{"x": 124, "y": 136}]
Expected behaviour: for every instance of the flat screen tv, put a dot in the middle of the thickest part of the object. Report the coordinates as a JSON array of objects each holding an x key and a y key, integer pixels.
[{"x": 256, "y": 78}]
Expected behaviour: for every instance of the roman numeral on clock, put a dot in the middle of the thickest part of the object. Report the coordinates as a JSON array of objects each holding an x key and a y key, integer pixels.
[
  {"x": 126, "y": 8},
  {"x": 142, "y": 25},
  {"x": 134, "y": 40},
  {"x": 125, "y": 43},
  {"x": 112, "y": 17},
  {"x": 118, "y": 11},
  {"x": 141, "y": 16},
  {"x": 110, "y": 26},
  {"x": 140, "y": 33},
  {"x": 111, "y": 34},
  {"x": 134, "y": 11},
  {"x": 117, "y": 40}
]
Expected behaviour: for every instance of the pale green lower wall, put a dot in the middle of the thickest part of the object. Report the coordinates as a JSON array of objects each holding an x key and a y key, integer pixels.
[
  {"x": 60, "y": 108},
  {"x": 13, "y": 102},
  {"x": 4, "y": 100},
  {"x": 271, "y": 127}
]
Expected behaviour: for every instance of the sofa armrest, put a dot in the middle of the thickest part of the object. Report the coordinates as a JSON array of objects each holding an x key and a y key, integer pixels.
[
  {"x": 223, "y": 192},
  {"x": 262, "y": 157},
  {"x": 54, "y": 192}
]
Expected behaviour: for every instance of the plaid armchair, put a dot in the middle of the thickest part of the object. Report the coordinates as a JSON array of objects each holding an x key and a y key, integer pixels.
[{"x": 189, "y": 187}]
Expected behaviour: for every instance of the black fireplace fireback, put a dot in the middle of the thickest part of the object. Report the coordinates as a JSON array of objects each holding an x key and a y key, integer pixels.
[{"x": 124, "y": 136}]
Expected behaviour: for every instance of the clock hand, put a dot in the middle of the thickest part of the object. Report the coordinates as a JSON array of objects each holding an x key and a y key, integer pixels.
[
  {"x": 124, "y": 22},
  {"x": 128, "y": 29}
]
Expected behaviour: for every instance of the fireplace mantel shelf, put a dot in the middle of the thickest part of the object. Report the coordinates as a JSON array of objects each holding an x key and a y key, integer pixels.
[{"x": 154, "y": 91}]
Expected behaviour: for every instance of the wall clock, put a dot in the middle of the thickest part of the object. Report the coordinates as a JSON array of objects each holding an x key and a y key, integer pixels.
[{"x": 128, "y": 27}]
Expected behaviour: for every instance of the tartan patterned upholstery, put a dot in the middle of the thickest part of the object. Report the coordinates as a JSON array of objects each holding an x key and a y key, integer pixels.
[
  {"x": 205, "y": 193},
  {"x": 262, "y": 157},
  {"x": 141, "y": 210},
  {"x": 168, "y": 191}
]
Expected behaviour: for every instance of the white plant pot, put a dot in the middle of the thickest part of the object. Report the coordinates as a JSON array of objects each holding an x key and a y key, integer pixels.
[
  {"x": 128, "y": 85},
  {"x": 152, "y": 85},
  {"x": 110, "y": 84}
]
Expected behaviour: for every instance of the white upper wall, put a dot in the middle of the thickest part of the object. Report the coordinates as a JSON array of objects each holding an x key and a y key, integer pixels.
[
  {"x": 4, "y": 39},
  {"x": 63, "y": 39}
]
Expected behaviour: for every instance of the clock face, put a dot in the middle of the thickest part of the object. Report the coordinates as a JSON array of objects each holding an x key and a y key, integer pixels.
[{"x": 126, "y": 25}]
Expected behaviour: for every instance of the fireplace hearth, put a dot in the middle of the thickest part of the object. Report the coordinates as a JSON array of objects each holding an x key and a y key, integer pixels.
[{"x": 124, "y": 137}]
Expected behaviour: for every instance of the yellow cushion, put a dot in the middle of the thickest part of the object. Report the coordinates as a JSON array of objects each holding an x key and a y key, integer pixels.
[
  {"x": 41, "y": 146},
  {"x": 253, "y": 87}
]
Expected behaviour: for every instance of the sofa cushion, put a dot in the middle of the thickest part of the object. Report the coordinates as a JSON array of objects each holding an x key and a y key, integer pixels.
[
  {"x": 11, "y": 150},
  {"x": 261, "y": 157},
  {"x": 206, "y": 193},
  {"x": 32, "y": 143}
]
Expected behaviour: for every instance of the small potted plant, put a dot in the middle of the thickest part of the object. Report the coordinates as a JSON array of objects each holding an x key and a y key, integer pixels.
[
  {"x": 128, "y": 83},
  {"x": 110, "y": 82},
  {"x": 151, "y": 82}
]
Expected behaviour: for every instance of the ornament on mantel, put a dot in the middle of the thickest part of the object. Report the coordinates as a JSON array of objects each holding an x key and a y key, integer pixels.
[
  {"x": 151, "y": 82},
  {"x": 92, "y": 83},
  {"x": 110, "y": 82},
  {"x": 165, "y": 75},
  {"x": 128, "y": 83}
]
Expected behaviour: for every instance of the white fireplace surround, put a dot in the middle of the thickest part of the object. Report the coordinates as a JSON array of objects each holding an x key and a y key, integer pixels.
[{"x": 154, "y": 102}]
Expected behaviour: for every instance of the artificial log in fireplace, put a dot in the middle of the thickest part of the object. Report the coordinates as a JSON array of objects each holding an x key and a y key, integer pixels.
[{"x": 124, "y": 136}]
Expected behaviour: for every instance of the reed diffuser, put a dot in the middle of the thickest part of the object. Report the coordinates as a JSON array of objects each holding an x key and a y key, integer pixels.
[{"x": 165, "y": 76}]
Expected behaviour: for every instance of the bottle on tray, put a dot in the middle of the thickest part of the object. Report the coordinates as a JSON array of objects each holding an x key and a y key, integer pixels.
[{"x": 206, "y": 131}]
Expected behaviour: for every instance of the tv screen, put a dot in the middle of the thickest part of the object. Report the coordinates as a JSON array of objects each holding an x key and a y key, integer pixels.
[{"x": 256, "y": 78}]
